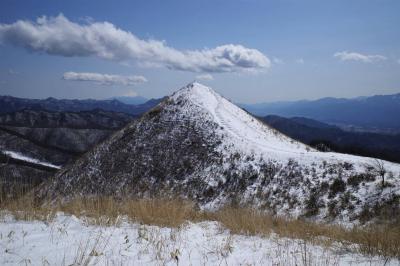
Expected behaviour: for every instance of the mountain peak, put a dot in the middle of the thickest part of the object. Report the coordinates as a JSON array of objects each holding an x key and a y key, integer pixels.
[
  {"x": 199, "y": 145},
  {"x": 198, "y": 95},
  {"x": 195, "y": 89}
]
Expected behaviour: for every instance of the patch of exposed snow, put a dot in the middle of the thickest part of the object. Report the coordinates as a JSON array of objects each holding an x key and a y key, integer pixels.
[{"x": 19, "y": 156}]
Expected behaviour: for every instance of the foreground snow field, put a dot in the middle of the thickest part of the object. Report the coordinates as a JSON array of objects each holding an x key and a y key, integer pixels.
[{"x": 68, "y": 240}]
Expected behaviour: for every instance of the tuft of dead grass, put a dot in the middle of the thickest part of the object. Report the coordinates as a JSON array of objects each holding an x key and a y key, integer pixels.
[
  {"x": 162, "y": 212},
  {"x": 373, "y": 240}
]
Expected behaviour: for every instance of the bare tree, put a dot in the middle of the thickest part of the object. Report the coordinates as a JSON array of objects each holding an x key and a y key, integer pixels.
[{"x": 379, "y": 170}]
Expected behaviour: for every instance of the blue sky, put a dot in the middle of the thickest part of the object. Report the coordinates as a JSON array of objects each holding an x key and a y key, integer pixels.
[{"x": 250, "y": 51}]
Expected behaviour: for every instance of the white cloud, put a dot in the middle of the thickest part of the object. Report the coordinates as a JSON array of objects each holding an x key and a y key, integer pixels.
[
  {"x": 205, "y": 77},
  {"x": 60, "y": 36},
  {"x": 278, "y": 61},
  {"x": 353, "y": 56},
  {"x": 398, "y": 61},
  {"x": 12, "y": 72},
  {"x": 104, "y": 79},
  {"x": 300, "y": 61},
  {"x": 131, "y": 93}
]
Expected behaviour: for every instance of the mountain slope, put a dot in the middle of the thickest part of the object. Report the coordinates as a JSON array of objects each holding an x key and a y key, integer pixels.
[
  {"x": 96, "y": 119},
  {"x": 198, "y": 145},
  {"x": 34, "y": 143},
  {"x": 57, "y": 137}
]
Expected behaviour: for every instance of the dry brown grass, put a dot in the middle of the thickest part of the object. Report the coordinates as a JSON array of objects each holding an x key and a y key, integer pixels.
[
  {"x": 383, "y": 240},
  {"x": 162, "y": 212},
  {"x": 21, "y": 203},
  {"x": 376, "y": 240}
]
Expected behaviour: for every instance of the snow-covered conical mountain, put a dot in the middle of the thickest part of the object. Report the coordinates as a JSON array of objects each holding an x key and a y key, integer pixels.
[{"x": 198, "y": 145}]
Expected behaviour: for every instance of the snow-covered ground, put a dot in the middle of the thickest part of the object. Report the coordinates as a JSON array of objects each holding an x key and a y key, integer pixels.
[
  {"x": 22, "y": 157},
  {"x": 68, "y": 240}
]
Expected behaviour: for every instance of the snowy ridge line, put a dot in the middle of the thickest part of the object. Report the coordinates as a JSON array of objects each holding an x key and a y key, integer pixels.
[
  {"x": 239, "y": 125},
  {"x": 222, "y": 111},
  {"x": 237, "y": 134},
  {"x": 19, "y": 156}
]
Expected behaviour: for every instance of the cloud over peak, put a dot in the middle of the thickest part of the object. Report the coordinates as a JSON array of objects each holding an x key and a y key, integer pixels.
[
  {"x": 205, "y": 77},
  {"x": 60, "y": 36},
  {"x": 353, "y": 56},
  {"x": 104, "y": 79}
]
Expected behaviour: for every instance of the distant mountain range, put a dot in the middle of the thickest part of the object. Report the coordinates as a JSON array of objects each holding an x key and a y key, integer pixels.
[
  {"x": 12, "y": 104},
  {"x": 56, "y": 131},
  {"x": 73, "y": 126},
  {"x": 365, "y": 114},
  {"x": 378, "y": 113},
  {"x": 327, "y": 137},
  {"x": 131, "y": 99}
]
